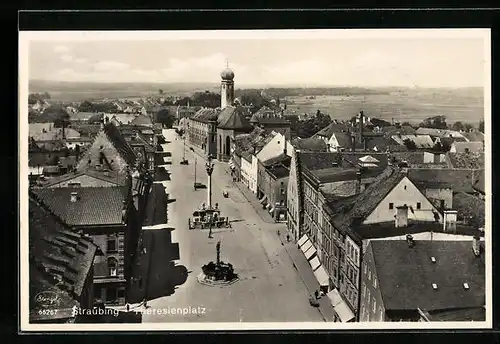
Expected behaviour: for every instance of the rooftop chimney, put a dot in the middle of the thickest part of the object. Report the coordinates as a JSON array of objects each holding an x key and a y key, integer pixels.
[
  {"x": 74, "y": 196},
  {"x": 476, "y": 248},
  {"x": 449, "y": 220},
  {"x": 410, "y": 241},
  {"x": 401, "y": 216},
  {"x": 358, "y": 182},
  {"x": 98, "y": 167}
]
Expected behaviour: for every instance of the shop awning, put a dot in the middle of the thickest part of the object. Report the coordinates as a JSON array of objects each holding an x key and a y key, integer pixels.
[
  {"x": 310, "y": 252},
  {"x": 322, "y": 277},
  {"x": 263, "y": 200},
  {"x": 340, "y": 306},
  {"x": 268, "y": 205},
  {"x": 302, "y": 240},
  {"x": 314, "y": 263},
  {"x": 306, "y": 246},
  {"x": 271, "y": 210}
]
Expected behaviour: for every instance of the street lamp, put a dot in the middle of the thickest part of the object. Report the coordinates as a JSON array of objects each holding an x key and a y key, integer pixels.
[{"x": 209, "y": 166}]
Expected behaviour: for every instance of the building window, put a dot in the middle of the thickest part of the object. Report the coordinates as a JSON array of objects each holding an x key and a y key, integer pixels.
[
  {"x": 381, "y": 314},
  {"x": 369, "y": 274},
  {"x": 111, "y": 245},
  {"x": 375, "y": 282},
  {"x": 121, "y": 293},
  {"x": 374, "y": 304},
  {"x": 364, "y": 267},
  {"x": 364, "y": 291},
  {"x": 112, "y": 264},
  {"x": 391, "y": 205},
  {"x": 419, "y": 205}
]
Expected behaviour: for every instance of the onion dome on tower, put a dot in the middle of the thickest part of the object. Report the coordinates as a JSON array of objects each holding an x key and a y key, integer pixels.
[{"x": 227, "y": 74}]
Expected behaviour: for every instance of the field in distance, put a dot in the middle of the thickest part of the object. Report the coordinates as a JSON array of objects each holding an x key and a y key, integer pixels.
[{"x": 411, "y": 105}]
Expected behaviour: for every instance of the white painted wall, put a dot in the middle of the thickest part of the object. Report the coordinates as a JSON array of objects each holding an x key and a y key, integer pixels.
[{"x": 404, "y": 193}]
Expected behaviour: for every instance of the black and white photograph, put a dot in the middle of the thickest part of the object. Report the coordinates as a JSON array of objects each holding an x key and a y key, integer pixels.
[{"x": 255, "y": 180}]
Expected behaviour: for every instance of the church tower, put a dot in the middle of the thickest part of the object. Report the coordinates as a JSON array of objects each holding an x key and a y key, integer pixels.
[{"x": 227, "y": 87}]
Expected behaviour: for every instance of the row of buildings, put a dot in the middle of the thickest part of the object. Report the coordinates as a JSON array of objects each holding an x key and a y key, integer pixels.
[
  {"x": 85, "y": 225},
  {"x": 390, "y": 220}
]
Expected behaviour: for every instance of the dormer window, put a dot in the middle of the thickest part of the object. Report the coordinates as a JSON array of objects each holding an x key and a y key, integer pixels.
[
  {"x": 434, "y": 286},
  {"x": 433, "y": 259},
  {"x": 466, "y": 286}
]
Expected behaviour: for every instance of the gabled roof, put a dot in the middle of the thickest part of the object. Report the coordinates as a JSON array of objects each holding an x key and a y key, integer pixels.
[
  {"x": 360, "y": 206},
  {"x": 142, "y": 120},
  {"x": 280, "y": 159},
  {"x": 87, "y": 129},
  {"x": 406, "y": 275},
  {"x": 278, "y": 170},
  {"x": 94, "y": 206},
  {"x": 111, "y": 177},
  {"x": 56, "y": 251},
  {"x": 42, "y": 159},
  {"x": 332, "y": 128},
  {"x": 318, "y": 160},
  {"x": 204, "y": 114},
  {"x": 311, "y": 144},
  {"x": 439, "y": 132},
  {"x": 460, "y": 180},
  {"x": 420, "y": 141},
  {"x": 233, "y": 118},
  {"x": 120, "y": 143}
]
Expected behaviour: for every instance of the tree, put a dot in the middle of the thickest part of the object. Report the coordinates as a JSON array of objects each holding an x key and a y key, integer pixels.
[
  {"x": 58, "y": 115},
  {"x": 481, "y": 126},
  {"x": 311, "y": 126},
  {"x": 458, "y": 126},
  {"x": 160, "y": 91},
  {"x": 406, "y": 124},
  {"x": 468, "y": 126},
  {"x": 436, "y": 122},
  {"x": 165, "y": 117},
  {"x": 410, "y": 144}
]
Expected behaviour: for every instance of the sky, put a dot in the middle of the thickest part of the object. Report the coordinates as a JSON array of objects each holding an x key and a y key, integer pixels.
[{"x": 308, "y": 60}]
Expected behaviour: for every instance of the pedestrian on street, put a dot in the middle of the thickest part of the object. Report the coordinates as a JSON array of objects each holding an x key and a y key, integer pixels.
[
  {"x": 288, "y": 237},
  {"x": 278, "y": 231},
  {"x": 316, "y": 294},
  {"x": 128, "y": 307}
]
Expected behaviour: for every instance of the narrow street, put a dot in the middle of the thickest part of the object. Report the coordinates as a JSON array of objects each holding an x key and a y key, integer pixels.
[{"x": 269, "y": 288}]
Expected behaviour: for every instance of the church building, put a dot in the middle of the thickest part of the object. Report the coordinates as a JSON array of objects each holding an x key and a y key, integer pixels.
[{"x": 213, "y": 130}]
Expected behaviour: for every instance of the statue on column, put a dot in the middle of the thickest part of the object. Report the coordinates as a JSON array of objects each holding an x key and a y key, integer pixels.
[{"x": 218, "y": 252}]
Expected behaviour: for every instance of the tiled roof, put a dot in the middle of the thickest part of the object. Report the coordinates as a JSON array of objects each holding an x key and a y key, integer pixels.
[
  {"x": 354, "y": 158},
  {"x": 420, "y": 141},
  {"x": 96, "y": 118},
  {"x": 312, "y": 144},
  {"x": 280, "y": 159},
  {"x": 470, "y": 209},
  {"x": 439, "y": 132},
  {"x": 112, "y": 177},
  {"x": 52, "y": 146},
  {"x": 359, "y": 207},
  {"x": 318, "y": 160},
  {"x": 42, "y": 159},
  {"x": 142, "y": 120},
  {"x": 139, "y": 139},
  {"x": 467, "y": 160},
  {"x": 87, "y": 129},
  {"x": 94, "y": 205},
  {"x": 406, "y": 275},
  {"x": 120, "y": 143},
  {"x": 278, "y": 170},
  {"x": 332, "y": 128},
  {"x": 36, "y": 129},
  {"x": 473, "y": 147},
  {"x": 204, "y": 114},
  {"x": 403, "y": 130},
  {"x": 245, "y": 142},
  {"x": 233, "y": 118},
  {"x": 337, "y": 174},
  {"x": 460, "y": 180},
  {"x": 56, "y": 251},
  {"x": 467, "y": 314}
]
